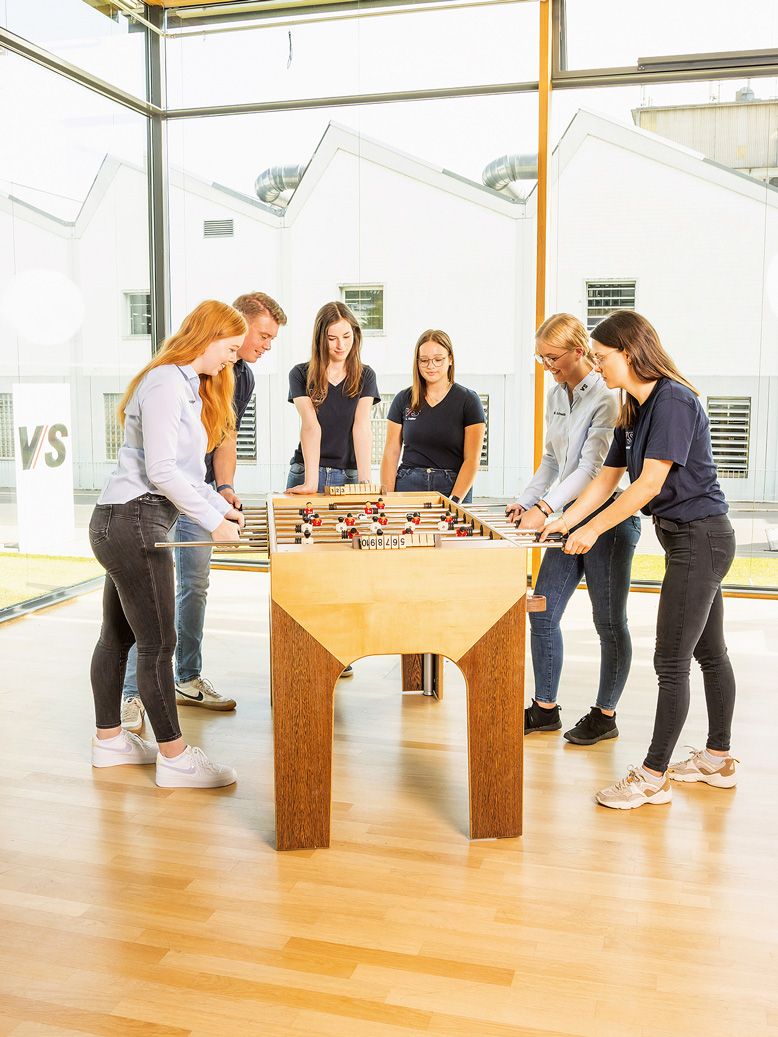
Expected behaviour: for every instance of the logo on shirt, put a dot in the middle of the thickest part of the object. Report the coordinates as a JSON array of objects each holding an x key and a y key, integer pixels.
[
  {"x": 628, "y": 436},
  {"x": 410, "y": 415}
]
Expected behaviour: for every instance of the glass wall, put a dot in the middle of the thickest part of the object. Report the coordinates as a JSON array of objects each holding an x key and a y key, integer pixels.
[
  {"x": 385, "y": 207},
  {"x": 664, "y": 200},
  {"x": 74, "y": 287}
]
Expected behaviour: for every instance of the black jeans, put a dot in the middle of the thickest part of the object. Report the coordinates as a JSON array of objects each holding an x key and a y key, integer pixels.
[
  {"x": 138, "y": 608},
  {"x": 690, "y": 623}
]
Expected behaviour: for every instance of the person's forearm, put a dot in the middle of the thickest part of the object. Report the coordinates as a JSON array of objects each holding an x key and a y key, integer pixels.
[
  {"x": 466, "y": 478},
  {"x": 310, "y": 442},
  {"x": 362, "y": 450},
  {"x": 389, "y": 469},
  {"x": 595, "y": 495},
  {"x": 225, "y": 461},
  {"x": 627, "y": 503}
]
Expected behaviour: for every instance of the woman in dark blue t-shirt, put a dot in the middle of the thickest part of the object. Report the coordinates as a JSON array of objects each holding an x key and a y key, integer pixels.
[
  {"x": 334, "y": 395},
  {"x": 662, "y": 439},
  {"x": 437, "y": 424}
]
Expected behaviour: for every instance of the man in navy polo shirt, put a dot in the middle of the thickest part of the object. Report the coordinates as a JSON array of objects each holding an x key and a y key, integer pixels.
[{"x": 264, "y": 317}]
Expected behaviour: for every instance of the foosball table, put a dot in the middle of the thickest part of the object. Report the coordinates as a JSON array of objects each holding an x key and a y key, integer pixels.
[{"x": 357, "y": 573}]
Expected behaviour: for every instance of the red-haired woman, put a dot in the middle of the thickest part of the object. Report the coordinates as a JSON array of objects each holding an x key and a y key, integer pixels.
[{"x": 174, "y": 410}]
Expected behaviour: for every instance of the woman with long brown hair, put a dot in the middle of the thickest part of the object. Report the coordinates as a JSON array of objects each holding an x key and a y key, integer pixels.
[
  {"x": 581, "y": 413},
  {"x": 436, "y": 424},
  {"x": 662, "y": 439},
  {"x": 334, "y": 393},
  {"x": 174, "y": 410}
]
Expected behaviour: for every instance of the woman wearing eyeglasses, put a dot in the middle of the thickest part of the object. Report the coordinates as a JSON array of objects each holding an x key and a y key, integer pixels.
[
  {"x": 436, "y": 424},
  {"x": 662, "y": 440},
  {"x": 581, "y": 412}
]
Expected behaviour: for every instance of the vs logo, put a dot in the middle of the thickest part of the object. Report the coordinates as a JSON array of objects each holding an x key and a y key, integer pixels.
[{"x": 31, "y": 449}]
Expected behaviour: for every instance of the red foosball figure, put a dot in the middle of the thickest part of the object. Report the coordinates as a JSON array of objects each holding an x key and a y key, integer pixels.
[
  {"x": 307, "y": 510},
  {"x": 352, "y": 531},
  {"x": 380, "y": 504},
  {"x": 316, "y": 520},
  {"x": 350, "y": 520},
  {"x": 416, "y": 518},
  {"x": 368, "y": 508},
  {"x": 383, "y": 519},
  {"x": 464, "y": 531}
]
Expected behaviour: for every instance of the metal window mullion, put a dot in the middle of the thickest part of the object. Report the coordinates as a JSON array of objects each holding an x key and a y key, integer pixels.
[{"x": 157, "y": 182}]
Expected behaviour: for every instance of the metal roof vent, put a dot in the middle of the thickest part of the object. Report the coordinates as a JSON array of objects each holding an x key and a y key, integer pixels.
[
  {"x": 745, "y": 93},
  {"x": 507, "y": 169},
  {"x": 273, "y": 182}
]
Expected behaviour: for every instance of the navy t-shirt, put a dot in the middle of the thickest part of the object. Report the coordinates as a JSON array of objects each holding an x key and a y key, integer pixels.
[
  {"x": 244, "y": 387},
  {"x": 672, "y": 426},
  {"x": 434, "y": 437},
  {"x": 336, "y": 416}
]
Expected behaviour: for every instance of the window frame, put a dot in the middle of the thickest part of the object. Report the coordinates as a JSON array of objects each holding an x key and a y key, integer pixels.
[
  {"x": 127, "y": 315},
  {"x": 347, "y": 286},
  {"x": 605, "y": 282}
]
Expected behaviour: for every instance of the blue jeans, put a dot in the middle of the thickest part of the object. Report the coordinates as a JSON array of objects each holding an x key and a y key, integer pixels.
[
  {"x": 607, "y": 569},
  {"x": 435, "y": 480},
  {"x": 327, "y": 476},
  {"x": 192, "y": 574}
]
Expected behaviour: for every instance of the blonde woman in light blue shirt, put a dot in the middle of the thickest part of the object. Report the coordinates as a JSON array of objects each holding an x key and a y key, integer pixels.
[{"x": 581, "y": 413}]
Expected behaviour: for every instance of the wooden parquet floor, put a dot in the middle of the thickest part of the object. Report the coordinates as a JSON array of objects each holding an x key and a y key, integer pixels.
[{"x": 130, "y": 910}]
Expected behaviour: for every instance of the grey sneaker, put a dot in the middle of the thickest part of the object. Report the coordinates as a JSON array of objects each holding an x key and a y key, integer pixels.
[
  {"x": 698, "y": 768},
  {"x": 634, "y": 791},
  {"x": 200, "y": 692},
  {"x": 132, "y": 714}
]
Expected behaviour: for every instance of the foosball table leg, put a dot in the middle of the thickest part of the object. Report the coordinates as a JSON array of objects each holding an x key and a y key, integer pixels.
[
  {"x": 303, "y": 679},
  {"x": 494, "y": 671},
  {"x": 423, "y": 672}
]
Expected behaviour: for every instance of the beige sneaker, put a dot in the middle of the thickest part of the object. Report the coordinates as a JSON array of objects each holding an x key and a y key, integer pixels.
[
  {"x": 698, "y": 768},
  {"x": 200, "y": 692},
  {"x": 132, "y": 714},
  {"x": 634, "y": 791}
]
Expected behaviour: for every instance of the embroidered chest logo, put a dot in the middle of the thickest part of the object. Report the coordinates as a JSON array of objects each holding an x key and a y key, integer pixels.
[{"x": 629, "y": 436}]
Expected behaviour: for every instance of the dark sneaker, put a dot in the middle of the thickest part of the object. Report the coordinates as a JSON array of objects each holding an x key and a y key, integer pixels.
[
  {"x": 594, "y": 727},
  {"x": 538, "y": 719}
]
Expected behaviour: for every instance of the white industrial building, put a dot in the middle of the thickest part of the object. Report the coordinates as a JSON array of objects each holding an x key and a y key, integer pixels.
[{"x": 637, "y": 220}]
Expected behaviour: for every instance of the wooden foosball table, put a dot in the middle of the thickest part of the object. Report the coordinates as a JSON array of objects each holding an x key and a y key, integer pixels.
[{"x": 354, "y": 574}]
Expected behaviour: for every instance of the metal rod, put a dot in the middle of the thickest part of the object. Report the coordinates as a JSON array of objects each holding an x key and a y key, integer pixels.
[{"x": 428, "y": 675}]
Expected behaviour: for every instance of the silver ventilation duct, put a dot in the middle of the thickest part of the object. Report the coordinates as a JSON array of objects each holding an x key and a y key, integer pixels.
[
  {"x": 272, "y": 182},
  {"x": 507, "y": 169}
]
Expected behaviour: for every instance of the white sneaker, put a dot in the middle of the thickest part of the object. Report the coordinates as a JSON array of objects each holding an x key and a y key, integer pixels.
[
  {"x": 634, "y": 791},
  {"x": 699, "y": 768},
  {"x": 200, "y": 692},
  {"x": 132, "y": 714},
  {"x": 193, "y": 770},
  {"x": 125, "y": 748}
]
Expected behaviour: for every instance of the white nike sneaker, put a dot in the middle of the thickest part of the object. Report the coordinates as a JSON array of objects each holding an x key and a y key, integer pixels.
[
  {"x": 192, "y": 770},
  {"x": 124, "y": 748},
  {"x": 200, "y": 692}
]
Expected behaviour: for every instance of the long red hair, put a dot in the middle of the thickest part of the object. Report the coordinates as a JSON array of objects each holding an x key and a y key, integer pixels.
[{"x": 209, "y": 321}]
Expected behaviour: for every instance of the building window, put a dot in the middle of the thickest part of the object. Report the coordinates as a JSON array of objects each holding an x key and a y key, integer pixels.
[
  {"x": 6, "y": 426},
  {"x": 730, "y": 432},
  {"x": 218, "y": 229},
  {"x": 114, "y": 433},
  {"x": 138, "y": 313},
  {"x": 484, "y": 462},
  {"x": 603, "y": 297},
  {"x": 378, "y": 426},
  {"x": 367, "y": 303},
  {"x": 247, "y": 433}
]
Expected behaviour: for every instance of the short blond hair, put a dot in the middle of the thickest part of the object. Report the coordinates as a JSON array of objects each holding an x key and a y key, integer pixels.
[
  {"x": 564, "y": 331},
  {"x": 256, "y": 304}
]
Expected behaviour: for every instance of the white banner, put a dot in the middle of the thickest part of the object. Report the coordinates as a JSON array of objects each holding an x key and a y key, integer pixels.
[{"x": 43, "y": 449}]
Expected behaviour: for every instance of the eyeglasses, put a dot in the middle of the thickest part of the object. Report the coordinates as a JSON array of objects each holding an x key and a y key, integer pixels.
[
  {"x": 600, "y": 360},
  {"x": 432, "y": 361},
  {"x": 547, "y": 361}
]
